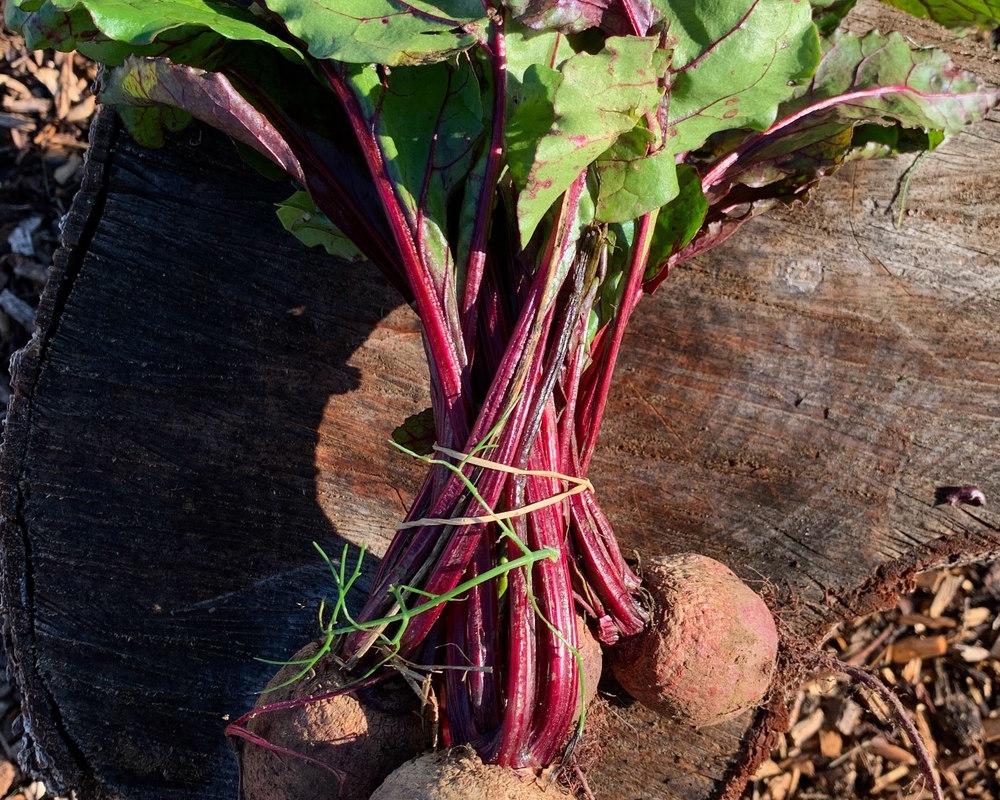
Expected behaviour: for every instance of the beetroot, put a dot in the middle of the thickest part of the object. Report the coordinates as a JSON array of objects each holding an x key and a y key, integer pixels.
[
  {"x": 338, "y": 748},
  {"x": 459, "y": 774},
  {"x": 709, "y": 653}
]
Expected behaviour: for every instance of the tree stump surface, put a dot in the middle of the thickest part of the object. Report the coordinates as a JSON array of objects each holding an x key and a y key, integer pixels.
[{"x": 204, "y": 398}]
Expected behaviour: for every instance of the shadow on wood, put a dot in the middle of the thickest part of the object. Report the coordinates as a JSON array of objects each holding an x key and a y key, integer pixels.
[
  {"x": 161, "y": 464},
  {"x": 204, "y": 399}
]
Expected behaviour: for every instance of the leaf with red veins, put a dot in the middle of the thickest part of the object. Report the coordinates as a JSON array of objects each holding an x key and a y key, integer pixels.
[
  {"x": 206, "y": 96},
  {"x": 734, "y": 62},
  {"x": 599, "y": 98},
  {"x": 390, "y": 32},
  {"x": 615, "y": 17}
]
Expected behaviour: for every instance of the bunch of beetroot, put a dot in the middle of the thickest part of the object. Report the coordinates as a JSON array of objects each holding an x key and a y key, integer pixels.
[{"x": 523, "y": 171}]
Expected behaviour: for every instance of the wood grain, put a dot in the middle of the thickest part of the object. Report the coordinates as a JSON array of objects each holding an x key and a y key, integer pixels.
[{"x": 204, "y": 399}]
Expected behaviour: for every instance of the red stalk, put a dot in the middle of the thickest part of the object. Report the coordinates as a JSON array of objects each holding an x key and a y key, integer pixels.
[{"x": 511, "y": 687}]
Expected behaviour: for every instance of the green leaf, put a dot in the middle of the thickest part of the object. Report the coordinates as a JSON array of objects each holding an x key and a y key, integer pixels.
[
  {"x": 828, "y": 14},
  {"x": 66, "y": 30},
  {"x": 531, "y": 119},
  {"x": 299, "y": 216},
  {"x": 600, "y": 97},
  {"x": 428, "y": 126},
  {"x": 984, "y": 14},
  {"x": 108, "y": 30},
  {"x": 417, "y": 433},
  {"x": 679, "y": 221},
  {"x": 882, "y": 141},
  {"x": 734, "y": 62},
  {"x": 428, "y": 123},
  {"x": 631, "y": 182},
  {"x": 391, "y": 32},
  {"x": 527, "y": 47},
  {"x": 861, "y": 83},
  {"x": 149, "y": 125}
]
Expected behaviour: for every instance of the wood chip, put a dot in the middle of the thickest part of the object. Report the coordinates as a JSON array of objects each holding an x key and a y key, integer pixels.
[
  {"x": 912, "y": 671},
  {"x": 82, "y": 110},
  {"x": 14, "y": 86},
  {"x": 27, "y": 105},
  {"x": 49, "y": 78},
  {"x": 831, "y": 743},
  {"x": 924, "y": 728},
  {"x": 17, "y": 309},
  {"x": 883, "y": 748},
  {"x": 15, "y": 121},
  {"x": 67, "y": 171},
  {"x": 780, "y": 786},
  {"x": 930, "y": 580},
  {"x": 991, "y": 729},
  {"x": 927, "y": 621},
  {"x": 803, "y": 730},
  {"x": 974, "y": 617},
  {"x": 767, "y": 770},
  {"x": 20, "y": 239},
  {"x": 911, "y": 647},
  {"x": 944, "y": 595},
  {"x": 848, "y": 717},
  {"x": 890, "y": 778},
  {"x": 973, "y": 654}
]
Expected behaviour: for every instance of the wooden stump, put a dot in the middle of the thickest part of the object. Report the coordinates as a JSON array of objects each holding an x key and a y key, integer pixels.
[{"x": 204, "y": 399}]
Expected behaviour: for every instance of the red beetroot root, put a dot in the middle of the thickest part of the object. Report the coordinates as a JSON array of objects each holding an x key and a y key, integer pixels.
[
  {"x": 709, "y": 652},
  {"x": 458, "y": 774},
  {"x": 358, "y": 744}
]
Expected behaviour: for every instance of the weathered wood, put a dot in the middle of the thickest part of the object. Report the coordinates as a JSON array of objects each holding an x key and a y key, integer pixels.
[
  {"x": 161, "y": 473},
  {"x": 205, "y": 398}
]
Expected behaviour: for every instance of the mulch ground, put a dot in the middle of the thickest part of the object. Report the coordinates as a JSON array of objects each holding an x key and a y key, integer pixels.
[
  {"x": 45, "y": 109},
  {"x": 938, "y": 651}
]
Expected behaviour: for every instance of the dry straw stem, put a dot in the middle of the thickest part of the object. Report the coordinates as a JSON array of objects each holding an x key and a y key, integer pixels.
[{"x": 577, "y": 485}]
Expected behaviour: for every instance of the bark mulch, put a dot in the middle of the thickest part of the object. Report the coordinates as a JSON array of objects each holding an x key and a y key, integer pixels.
[{"x": 938, "y": 651}]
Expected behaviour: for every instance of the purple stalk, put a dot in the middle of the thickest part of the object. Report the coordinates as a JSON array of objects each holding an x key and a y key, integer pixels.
[
  {"x": 484, "y": 207},
  {"x": 446, "y": 356},
  {"x": 716, "y": 174},
  {"x": 501, "y": 353}
]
